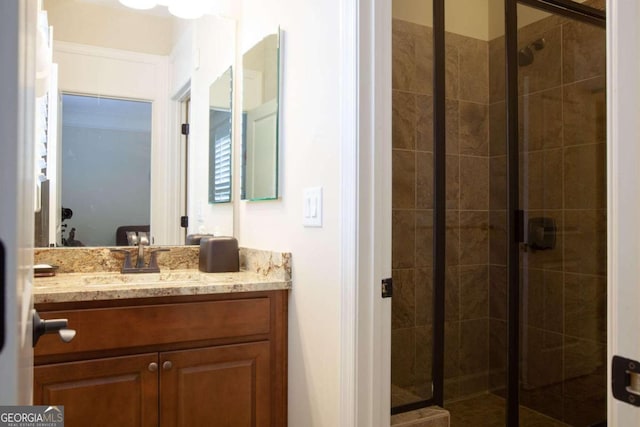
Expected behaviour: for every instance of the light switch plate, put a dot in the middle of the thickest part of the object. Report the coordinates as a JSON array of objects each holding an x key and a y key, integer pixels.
[{"x": 312, "y": 209}]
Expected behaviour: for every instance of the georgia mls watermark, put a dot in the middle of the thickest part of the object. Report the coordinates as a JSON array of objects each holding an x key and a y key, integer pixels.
[{"x": 31, "y": 416}]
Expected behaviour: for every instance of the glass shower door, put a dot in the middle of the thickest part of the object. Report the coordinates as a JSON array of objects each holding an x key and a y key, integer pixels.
[
  {"x": 562, "y": 136},
  {"x": 412, "y": 207}
]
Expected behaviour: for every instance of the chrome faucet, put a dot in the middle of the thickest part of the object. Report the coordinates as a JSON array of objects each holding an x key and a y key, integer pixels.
[
  {"x": 140, "y": 240},
  {"x": 143, "y": 241}
]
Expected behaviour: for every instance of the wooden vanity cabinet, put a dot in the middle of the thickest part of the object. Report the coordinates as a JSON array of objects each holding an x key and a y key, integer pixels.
[
  {"x": 221, "y": 361},
  {"x": 116, "y": 391},
  {"x": 216, "y": 386}
]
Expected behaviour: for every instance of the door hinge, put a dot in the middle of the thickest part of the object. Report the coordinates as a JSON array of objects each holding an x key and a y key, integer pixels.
[
  {"x": 185, "y": 129},
  {"x": 387, "y": 287},
  {"x": 184, "y": 221},
  {"x": 625, "y": 380}
]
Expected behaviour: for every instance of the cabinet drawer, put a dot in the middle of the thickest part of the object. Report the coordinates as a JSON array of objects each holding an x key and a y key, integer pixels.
[{"x": 138, "y": 326}]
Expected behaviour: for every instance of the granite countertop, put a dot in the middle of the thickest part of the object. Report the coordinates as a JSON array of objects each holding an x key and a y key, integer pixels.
[
  {"x": 79, "y": 280},
  {"x": 69, "y": 287}
]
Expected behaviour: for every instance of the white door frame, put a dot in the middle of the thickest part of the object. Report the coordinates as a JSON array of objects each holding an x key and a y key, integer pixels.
[
  {"x": 623, "y": 189},
  {"x": 365, "y": 83},
  {"x": 18, "y": 20},
  {"x": 181, "y": 114}
]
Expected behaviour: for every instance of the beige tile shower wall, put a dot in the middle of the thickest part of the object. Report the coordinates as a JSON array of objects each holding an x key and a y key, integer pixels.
[
  {"x": 467, "y": 200},
  {"x": 467, "y": 292},
  {"x": 562, "y": 141},
  {"x": 412, "y": 212}
]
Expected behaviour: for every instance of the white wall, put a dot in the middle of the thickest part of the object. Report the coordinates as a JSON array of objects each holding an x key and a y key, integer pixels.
[
  {"x": 181, "y": 62},
  {"x": 261, "y": 60},
  {"x": 212, "y": 51},
  {"x": 93, "y": 24},
  {"x": 310, "y": 142}
]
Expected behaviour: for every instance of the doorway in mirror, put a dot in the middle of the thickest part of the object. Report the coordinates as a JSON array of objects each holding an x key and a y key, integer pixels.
[{"x": 106, "y": 167}]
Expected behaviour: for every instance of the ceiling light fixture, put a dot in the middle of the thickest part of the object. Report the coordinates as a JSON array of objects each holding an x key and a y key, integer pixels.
[
  {"x": 185, "y": 9},
  {"x": 139, "y": 4}
]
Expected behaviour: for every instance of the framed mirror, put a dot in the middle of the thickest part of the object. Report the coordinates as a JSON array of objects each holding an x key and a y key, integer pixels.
[
  {"x": 260, "y": 119},
  {"x": 220, "y": 138}
]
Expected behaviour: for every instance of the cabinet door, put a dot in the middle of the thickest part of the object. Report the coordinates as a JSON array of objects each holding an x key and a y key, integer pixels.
[
  {"x": 225, "y": 386},
  {"x": 117, "y": 391}
]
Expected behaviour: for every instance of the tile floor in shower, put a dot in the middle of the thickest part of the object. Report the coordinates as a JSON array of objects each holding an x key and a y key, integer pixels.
[
  {"x": 486, "y": 410},
  {"x": 582, "y": 404}
]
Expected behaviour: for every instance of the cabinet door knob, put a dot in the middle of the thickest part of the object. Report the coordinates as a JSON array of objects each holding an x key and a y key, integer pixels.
[
  {"x": 167, "y": 365},
  {"x": 153, "y": 366}
]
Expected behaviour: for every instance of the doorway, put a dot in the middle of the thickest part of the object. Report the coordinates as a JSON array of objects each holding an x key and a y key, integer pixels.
[
  {"x": 105, "y": 167},
  {"x": 500, "y": 327},
  {"x": 184, "y": 120}
]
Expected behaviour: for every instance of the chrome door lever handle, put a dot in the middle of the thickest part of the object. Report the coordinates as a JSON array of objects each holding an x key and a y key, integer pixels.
[{"x": 59, "y": 326}]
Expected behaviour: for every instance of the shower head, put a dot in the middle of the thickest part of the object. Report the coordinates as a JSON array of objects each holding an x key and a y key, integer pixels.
[{"x": 525, "y": 55}]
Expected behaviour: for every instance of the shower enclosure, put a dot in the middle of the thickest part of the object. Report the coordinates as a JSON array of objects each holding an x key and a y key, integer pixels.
[{"x": 499, "y": 211}]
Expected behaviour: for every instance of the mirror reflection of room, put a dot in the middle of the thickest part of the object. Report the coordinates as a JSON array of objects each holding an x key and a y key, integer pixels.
[
  {"x": 110, "y": 53},
  {"x": 106, "y": 156},
  {"x": 220, "y": 142},
  {"x": 260, "y": 67}
]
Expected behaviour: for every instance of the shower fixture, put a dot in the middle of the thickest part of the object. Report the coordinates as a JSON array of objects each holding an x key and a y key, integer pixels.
[{"x": 525, "y": 55}]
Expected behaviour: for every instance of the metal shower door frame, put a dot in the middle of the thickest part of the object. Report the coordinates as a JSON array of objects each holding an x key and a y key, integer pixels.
[{"x": 515, "y": 224}]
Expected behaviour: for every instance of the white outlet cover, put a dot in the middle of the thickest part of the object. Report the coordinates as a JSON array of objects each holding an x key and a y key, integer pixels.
[{"x": 312, "y": 208}]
